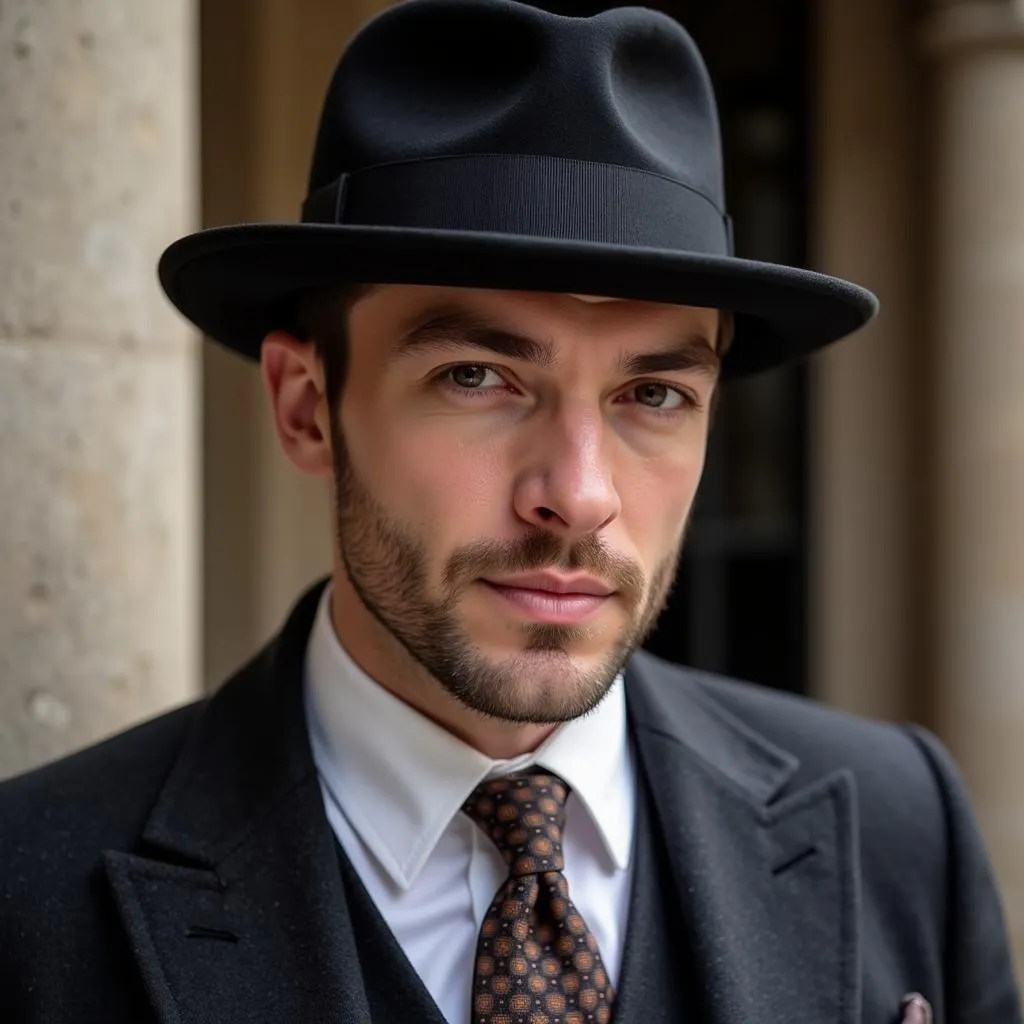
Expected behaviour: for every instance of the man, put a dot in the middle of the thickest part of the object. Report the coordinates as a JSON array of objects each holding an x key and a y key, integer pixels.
[{"x": 453, "y": 789}]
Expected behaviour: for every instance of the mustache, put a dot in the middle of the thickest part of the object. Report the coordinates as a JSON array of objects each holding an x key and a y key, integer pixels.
[{"x": 542, "y": 550}]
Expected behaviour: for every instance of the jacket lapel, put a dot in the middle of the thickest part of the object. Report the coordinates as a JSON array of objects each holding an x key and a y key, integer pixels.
[
  {"x": 768, "y": 879},
  {"x": 233, "y": 905}
]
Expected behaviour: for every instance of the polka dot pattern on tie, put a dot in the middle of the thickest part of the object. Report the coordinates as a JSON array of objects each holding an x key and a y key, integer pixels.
[{"x": 537, "y": 961}]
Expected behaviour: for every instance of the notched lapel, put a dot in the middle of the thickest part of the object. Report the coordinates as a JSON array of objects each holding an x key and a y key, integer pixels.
[
  {"x": 237, "y": 913},
  {"x": 264, "y": 938},
  {"x": 156, "y": 901},
  {"x": 768, "y": 889},
  {"x": 810, "y": 913}
]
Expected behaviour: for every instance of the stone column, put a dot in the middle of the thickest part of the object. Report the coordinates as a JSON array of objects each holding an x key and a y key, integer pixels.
[
  {"x": 864, "y": 417},
  {"x": 98, "y": 384},
  {"x": 977, "y": 347},
  {"x": 266, "y": 66}
]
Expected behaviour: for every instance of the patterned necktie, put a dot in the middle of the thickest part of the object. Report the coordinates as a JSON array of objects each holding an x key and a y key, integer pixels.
[{"x": 537, "y": 962}]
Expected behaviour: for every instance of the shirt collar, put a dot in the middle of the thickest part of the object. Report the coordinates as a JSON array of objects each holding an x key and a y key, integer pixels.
[{"x": 400, "y": 778}]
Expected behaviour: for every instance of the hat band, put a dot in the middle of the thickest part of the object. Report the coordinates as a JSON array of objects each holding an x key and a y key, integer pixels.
[{"x": 542, "y": 196}]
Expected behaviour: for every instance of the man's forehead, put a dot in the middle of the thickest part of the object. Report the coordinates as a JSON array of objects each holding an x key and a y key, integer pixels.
[{"x": 411, "y": 301}]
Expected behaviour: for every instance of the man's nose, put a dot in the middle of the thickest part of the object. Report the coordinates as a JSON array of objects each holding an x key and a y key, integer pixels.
[{"x": 568, "y": 486}]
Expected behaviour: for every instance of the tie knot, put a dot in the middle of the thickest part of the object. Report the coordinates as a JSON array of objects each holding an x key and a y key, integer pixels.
[{"x": 523, "y": 815}]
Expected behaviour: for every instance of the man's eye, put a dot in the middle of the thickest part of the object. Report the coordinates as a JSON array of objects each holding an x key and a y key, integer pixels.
[
  {"x": 472, "y": 377},
  {"x": 660, "y": 396}
]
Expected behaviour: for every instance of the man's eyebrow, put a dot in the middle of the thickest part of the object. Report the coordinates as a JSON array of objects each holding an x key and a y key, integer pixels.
[
  {"x": 690, "y": 354},
  {"x": 450, "y": 331}
]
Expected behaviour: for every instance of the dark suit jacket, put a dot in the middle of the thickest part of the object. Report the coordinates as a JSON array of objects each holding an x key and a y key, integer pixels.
[{"x": 184, "y": 871}]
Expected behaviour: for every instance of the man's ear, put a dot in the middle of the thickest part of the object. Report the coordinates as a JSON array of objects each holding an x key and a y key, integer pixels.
[{"x": 294, "y": 381}]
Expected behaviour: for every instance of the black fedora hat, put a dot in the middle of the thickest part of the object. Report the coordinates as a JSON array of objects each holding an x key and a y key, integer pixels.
[{"x": 489, "y": 144}]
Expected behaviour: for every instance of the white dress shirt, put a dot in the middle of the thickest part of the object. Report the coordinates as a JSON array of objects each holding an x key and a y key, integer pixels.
[{"x": 394, "y": 783}]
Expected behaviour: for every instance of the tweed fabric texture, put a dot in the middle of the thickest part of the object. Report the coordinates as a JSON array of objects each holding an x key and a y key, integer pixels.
[{"x": 537, "y": 961}]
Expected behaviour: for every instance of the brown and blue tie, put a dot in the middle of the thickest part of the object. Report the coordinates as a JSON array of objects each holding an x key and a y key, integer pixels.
[{"x": 537, "y": 961}]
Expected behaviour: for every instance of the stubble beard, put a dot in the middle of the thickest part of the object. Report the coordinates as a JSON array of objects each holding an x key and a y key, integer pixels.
[{"x": 387, "y": 568}]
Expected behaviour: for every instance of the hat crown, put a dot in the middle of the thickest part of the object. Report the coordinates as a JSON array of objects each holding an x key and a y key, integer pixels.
[
  {"x": 431, "y": 79},
  {"x": 490, "y": 144}
]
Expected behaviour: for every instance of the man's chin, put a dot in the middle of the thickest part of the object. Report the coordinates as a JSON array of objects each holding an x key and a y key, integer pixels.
[
  {"x": 538, "y": 687},
  {"x": 538, "y": 707}
]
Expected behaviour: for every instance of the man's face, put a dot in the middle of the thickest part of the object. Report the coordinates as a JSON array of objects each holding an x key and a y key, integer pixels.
[{"x": 490, "y": 446}]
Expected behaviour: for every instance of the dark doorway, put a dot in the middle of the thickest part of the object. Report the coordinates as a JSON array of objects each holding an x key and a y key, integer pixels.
[{"x": 740, "y": 602}]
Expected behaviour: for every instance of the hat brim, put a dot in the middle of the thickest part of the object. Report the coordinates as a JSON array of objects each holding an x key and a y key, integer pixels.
[{"x": 238, "y": 283}]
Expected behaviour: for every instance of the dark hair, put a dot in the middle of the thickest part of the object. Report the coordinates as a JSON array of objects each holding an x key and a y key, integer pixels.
[{"x": 322, "y": 317}]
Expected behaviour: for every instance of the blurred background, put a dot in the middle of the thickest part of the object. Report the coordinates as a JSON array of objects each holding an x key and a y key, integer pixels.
[{"x": 858, "y": 536}]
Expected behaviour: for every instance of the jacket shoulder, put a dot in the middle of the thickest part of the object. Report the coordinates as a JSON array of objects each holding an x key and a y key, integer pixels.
[
  {"x": 94, "y": 799},
  {"x": 822, "y": 738},
  {"x": 62, "y": 949}
]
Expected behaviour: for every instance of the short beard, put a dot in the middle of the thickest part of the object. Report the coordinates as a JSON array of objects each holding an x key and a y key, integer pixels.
[{"x": 387, "y": 567}]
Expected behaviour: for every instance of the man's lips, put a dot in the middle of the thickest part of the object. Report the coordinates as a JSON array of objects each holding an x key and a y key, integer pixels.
[
  {"x": 541, "y": 602},
  {"x": 555, "y": 583}
]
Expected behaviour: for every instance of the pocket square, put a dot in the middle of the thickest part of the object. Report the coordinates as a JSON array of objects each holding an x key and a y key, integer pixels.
[{"x": 916, "y": 1009}]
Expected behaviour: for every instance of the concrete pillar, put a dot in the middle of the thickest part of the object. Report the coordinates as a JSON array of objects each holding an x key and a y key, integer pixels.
[
  {"x": 98, "y": 387},
  {"x": 865, "y": 418},
  {"x": 978, "y": 429},
  {"x": 266, "y": 65}
]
